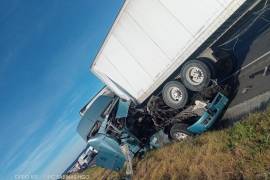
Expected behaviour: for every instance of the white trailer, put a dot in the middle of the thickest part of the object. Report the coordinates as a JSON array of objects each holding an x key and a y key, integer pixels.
[{"x": 151, "y": 39}]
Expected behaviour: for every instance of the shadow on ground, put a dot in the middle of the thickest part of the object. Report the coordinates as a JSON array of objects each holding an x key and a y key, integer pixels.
[{"x": 235, "y": 53}]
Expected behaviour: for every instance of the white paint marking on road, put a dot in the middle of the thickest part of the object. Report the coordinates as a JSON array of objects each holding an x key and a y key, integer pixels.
[
  {"x": 246, "y": 66},
  {"x": 254, "y": 61},
  {"x": 265, "y": 70}
]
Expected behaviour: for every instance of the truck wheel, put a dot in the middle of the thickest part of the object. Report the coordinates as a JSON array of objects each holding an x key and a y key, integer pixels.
[
  {"x": 195, "y": 75},
  {"x": 179, "y": 132},
  {"x": 211, "y": 65},
  {"x": 175, "y": 95}
]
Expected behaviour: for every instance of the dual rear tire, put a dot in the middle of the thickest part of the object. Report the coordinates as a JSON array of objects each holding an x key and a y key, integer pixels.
[
  {"x": 195, "y": 75},
  {"x": 175, "y": 94}
]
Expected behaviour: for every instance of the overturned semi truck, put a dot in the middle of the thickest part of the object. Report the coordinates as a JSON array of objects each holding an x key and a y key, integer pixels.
[{"x": 158, "y": 65}]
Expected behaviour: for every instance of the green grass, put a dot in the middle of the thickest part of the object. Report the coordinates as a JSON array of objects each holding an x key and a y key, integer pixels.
[{"x": 242, "y": 151}]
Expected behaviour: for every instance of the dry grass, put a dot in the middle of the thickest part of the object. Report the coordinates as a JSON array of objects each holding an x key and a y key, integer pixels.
[{"x": 242, "y": 151}]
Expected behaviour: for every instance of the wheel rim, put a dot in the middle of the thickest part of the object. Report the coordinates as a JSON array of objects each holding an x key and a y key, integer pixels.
[
  {"x": 180, "y": 136},
  {"x": 176, "y": 94},
  {"x": 194, "y": 75}
]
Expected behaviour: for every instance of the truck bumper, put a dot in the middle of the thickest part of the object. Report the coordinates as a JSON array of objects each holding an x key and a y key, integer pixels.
[{"x": 212, "y": 113}]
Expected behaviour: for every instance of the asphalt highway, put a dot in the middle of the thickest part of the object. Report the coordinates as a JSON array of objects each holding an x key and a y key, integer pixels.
[{"x": 253, "y": 76}]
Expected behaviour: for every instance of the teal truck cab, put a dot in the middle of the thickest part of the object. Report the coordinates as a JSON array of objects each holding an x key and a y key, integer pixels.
[{"x": 118, "y": 130}]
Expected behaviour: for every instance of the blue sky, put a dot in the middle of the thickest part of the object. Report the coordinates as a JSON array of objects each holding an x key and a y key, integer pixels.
[{"x": 46, "y": 48}]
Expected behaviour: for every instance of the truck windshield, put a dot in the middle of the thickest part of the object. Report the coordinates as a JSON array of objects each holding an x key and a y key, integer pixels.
[
  {"x": 91, "y": 118},
  {"x": 110, "y": 110},
  {"x": 94, "y": 130}
]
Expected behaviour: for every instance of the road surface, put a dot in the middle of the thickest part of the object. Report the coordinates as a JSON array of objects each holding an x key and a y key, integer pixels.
[{"x": 253, "y": 77}]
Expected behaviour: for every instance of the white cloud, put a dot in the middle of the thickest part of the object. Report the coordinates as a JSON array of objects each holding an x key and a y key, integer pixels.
[
  {"x": 42, "y": 153},
  {"x": 39, "y": 155},
  {"x": 60, "y": 163},
  {"x": 64, "y": 126}
]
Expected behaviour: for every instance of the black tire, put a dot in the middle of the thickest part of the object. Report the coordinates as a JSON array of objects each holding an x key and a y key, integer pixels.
[
  {"x": 226, "y": 67},
  {"x": 172, "y": 101},
  {"x": 179, "y": 132},
  {"x": 211, "y": 65},
  {"x": 190, "y": 81}
]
